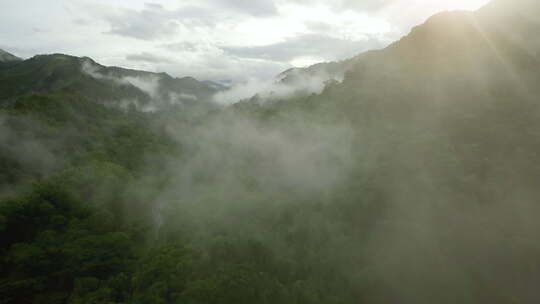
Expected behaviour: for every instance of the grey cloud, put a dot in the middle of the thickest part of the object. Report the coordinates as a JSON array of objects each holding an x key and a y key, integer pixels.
[
  {"x": 154, "y": 6},
  {"x": 257, "y": 8},
  {"x": 154, "y": 21},
  {"x": 185, "y": 46},
  {"x": 148, "y": 83},
  {"x": 319, "y": 26},
  {"x": 38, "y": 30},
  {"x": 314, "y": 45},
  {"x": 366, "y": 5},
  {"x": 148, "y": 57},
  {"x": 82, "y": 21},
  {"x": 150, "y": 23},
  {"x": 357, "y": 5}
]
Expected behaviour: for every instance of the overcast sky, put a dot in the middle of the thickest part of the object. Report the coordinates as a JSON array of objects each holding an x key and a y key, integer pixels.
[{"x": 211, "y": 39}]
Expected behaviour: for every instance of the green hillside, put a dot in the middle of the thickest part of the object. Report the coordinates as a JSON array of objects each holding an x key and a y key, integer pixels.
[
  {"x": 105, "y": 85},
  {"x": 414, "y": 180}
]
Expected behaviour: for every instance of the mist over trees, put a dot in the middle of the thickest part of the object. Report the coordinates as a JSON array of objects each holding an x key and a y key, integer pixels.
[{"x": 409, "y": 177}]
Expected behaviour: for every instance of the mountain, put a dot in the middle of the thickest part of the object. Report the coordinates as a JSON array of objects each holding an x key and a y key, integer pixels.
[
  {"x": 326, "y": 70},
  {"x": 7, "y": 57},
  {"x": 449, "y": 118},
  {"x": 455, "y": 60},
  {"x": 413, "y": 179},
  {"x": 445, "y": 123},
  {"x": 517, "y": 22},
  {"x": 215, "y": 85},
  {"x": 124, "y": 87}
]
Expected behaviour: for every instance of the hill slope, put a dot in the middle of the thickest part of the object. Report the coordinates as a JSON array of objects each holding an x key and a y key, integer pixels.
[
  {"x": 515, "y": 19},
  {"x": 7, "y": 57},
  {"x": 449, "y": 116},
  {"x": 109, "y": 85}
]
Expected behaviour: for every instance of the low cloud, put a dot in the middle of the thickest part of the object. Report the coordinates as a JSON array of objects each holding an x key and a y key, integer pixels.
[
  {"x": 159, "y": 96},
  {"x": 309, "y": 45},
  {"x": 39, "y": 156},
  {"x": 300, "y": 84},
  {"x": 148, "y": 58},
  {"x": 149, "y": 84}
]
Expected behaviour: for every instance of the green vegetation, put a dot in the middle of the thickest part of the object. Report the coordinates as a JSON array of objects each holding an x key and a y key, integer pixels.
[
  {"x": 412, "y": 181},
  {"x": 81, "y": 228}
]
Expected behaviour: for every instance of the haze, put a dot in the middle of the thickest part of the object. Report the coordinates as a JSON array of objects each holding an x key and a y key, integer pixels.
[
  {"x": 404, "y": 174},
  {"x": 212, "y": 39}
]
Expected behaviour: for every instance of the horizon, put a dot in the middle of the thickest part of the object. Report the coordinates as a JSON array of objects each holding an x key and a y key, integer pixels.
[{"x": 182, "y": 40}]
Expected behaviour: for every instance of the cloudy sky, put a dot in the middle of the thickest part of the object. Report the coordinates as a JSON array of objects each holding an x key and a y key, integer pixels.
[{"x": 211, "y": 39}]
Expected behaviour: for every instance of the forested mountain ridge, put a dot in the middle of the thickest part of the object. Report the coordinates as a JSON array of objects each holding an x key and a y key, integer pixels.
[
  {"x": 510, "y": 20},
  {"x": 446, "y": 129},
  {"x": 112, "y": 85},
  {"x": 412, "y": 180},
  {"x": 450, "y": 114}
]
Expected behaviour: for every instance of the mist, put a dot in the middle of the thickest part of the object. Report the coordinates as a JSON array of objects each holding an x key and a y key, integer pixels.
[
  {"x": 158, "y": 96},
  {"x": 148, "y": 84},
  {"x": 299, "y": 84},
  {"x": 402, "y": 175},
  {"x": 20, "y": 149}
]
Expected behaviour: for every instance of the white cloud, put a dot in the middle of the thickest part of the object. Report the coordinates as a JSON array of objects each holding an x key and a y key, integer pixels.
[
  {"x": 272, "y": 89},
  {"x": 210, "y": 39},
  {"x": 148, "y": 84}
]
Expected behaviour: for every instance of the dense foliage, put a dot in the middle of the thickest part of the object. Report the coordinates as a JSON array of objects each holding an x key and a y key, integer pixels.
[
  {"x": 78, "y": 221},
  {"x": 412, "y": 181}
]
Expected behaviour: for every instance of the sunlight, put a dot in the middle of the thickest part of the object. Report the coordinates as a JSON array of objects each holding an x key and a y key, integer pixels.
[
  {"x": 408, "y": 13},
  {"x": 301, "y": 62},
  {"x": 456, "y": 4}
]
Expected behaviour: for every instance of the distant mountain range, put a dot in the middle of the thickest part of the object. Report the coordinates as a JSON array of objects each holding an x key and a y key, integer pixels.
[
  {"x": 472, "y": 39},
  {"x": 111, "y": 85}
]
